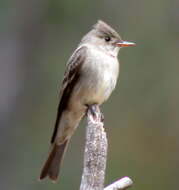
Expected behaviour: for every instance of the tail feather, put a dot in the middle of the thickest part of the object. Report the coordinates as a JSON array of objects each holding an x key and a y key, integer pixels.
[{"x": 52, "y": 165}]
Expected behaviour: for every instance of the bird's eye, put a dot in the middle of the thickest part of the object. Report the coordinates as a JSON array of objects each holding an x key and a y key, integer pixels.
[{"x": 107, "y": 38}]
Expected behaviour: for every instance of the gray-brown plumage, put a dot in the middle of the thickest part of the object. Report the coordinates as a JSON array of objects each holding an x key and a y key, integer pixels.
[{"x": 90, "y": 77}]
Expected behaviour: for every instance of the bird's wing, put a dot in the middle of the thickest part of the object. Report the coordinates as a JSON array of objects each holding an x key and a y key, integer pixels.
[{"x": 71, "y": 77}]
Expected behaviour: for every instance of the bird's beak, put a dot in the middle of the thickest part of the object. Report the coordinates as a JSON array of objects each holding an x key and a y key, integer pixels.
[{"x": 125, "y": 44}]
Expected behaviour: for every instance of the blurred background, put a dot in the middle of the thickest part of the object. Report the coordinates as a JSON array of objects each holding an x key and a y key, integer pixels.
[{"x": 142, "y": 116}]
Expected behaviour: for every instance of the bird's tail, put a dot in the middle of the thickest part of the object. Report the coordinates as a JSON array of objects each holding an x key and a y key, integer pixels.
[{"x": 52, "y": 165}]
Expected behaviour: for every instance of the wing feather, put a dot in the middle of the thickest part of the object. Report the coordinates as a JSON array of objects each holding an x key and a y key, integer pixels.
[{"x": 71, "y": 77}]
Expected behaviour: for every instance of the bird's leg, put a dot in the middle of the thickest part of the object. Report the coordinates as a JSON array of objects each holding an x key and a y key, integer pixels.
[{"x": 95, "y": 112}]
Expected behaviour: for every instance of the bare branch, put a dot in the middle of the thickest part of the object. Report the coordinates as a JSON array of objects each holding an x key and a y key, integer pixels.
[
  {"x": 120, "y": 184},
  {"x": 95, "y": 153}
]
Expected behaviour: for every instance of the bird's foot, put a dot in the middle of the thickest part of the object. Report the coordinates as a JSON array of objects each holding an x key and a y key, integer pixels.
[{"x": 95, "y": 112}]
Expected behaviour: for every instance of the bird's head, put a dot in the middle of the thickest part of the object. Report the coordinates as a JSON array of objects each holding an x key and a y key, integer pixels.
[{"x": 106, "y": 38}]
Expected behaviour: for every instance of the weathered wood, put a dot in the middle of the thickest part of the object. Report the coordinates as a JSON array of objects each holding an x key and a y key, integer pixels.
[
  {"x": 95, "y": 156},
  {"x": 95, "y": 153},
  {"x": 120, "y": 184}
]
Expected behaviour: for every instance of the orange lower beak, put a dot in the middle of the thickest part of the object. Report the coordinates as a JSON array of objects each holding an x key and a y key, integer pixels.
[{"x": 125, "y": 44}]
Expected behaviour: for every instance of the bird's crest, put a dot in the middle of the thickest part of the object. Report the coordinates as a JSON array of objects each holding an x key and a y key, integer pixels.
[{"x": 105, "y": 29}]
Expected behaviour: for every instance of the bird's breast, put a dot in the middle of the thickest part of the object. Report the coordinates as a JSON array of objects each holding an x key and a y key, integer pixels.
[{"x": 99, "y": 76}]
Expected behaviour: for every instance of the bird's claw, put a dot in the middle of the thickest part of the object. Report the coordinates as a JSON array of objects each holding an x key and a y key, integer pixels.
[{"x": 95, "y": 112}]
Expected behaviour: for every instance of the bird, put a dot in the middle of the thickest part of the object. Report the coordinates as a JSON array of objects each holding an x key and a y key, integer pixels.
[{"x": 90, "y": 77}]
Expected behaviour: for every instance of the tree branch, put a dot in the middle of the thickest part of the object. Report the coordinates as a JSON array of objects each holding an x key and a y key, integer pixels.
[
  {"x": 96, "y": 154},
  {"x": 120, "y": 184}
]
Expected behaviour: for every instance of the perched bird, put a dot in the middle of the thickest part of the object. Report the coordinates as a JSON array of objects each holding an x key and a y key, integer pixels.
[{"x": 90, "y": 78}]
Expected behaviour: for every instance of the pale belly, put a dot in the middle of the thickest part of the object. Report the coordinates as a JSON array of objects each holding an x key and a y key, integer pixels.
[
  {"x": 100, "y": 87},
  {"x": 98, "y": 80}
]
